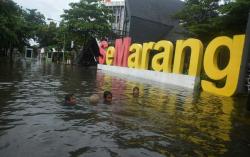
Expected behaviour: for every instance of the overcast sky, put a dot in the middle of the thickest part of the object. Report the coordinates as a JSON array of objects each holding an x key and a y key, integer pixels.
[{"x": 50, "y": 8}]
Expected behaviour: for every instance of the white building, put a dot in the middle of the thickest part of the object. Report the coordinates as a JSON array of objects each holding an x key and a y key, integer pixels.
[{"x": 118, "y": 8}]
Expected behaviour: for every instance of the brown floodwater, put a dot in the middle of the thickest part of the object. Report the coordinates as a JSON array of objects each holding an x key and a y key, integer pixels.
[{"x": 164, "y": 121}]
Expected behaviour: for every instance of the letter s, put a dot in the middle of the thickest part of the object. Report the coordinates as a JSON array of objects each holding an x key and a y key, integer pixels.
[{"x": 102, "y": 49}]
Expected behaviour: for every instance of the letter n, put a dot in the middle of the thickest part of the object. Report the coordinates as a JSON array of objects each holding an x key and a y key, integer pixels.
[{"x": 122, "y": 51}]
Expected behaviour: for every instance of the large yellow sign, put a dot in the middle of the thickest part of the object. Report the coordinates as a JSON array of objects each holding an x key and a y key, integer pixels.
[
  {"x": 169, "y": 61},
  {"x": 231, "y": 72}
]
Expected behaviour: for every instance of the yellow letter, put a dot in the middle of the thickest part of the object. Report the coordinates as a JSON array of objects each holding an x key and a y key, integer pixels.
[
  {"x": 163, "y": 61},
  {"x": 110, "y": 55},
  {"x": 195, "y": 60},
  {"x": 147, "y": 47},
  {"x": 231, "y": 72},
  {"x": 134, "y": 59}
]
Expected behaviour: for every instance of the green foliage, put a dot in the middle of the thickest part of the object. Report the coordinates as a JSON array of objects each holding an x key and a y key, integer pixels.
[
  {"x": 35, "y": 22},
  {"x": 85, "y": 19},
  {"x": 10, "y": 23},
  {"x": 197, "y": 16},
  {"x": 17, "y": 26},
  {"x": 48, "y": 35},
  {"x": 234, "y": 17},
  {"x": 88, "y": 18},
  {"x": 206, "y": 19}
]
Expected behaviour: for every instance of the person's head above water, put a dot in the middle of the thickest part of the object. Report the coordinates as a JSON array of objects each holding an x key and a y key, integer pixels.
[
  {"x": 107, "y": 96},
  {"x": 136, "y": 91},
  {"x": 94, "y": 99},
  {"x": 69, "y": 99}
]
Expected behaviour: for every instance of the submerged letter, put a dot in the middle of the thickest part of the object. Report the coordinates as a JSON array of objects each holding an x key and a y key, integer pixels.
[
  {"x": 122, "y": 51},
  {"x": 110, "y": 55},
  {"x": 231, "y": 72},
  {"x": 195, "y": 60},
  {"x": 102, "y": 57},
  {"x": 134, "y": 59},
  {"x": 163, "y": 61},
  {"x": 147, "y": 47}
]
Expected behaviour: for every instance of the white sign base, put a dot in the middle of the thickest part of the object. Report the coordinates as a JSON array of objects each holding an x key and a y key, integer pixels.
[{"x": 186, "y": 81}]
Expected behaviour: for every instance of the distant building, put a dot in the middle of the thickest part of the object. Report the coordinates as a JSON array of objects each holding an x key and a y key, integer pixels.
[
  {"x": 118, "y": 8},
  {"x": 146, "y": 20}
]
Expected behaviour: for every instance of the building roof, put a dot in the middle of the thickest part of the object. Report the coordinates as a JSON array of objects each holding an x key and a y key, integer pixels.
[{"x": 160, "y": 11}]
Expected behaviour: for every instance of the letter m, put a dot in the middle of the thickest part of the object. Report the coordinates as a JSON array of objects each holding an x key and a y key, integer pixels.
[{"x": 122, "y": 51}]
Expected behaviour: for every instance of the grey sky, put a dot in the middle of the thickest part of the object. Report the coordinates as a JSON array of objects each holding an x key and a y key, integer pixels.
[{"x": 50, "y": 8}]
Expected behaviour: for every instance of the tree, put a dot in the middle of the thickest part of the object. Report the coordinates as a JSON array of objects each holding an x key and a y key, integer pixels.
[
  {"x": 197, "y": 16},
  {"x": 234, "y": 16},
  {"x": 11, "y": 24},
  {"x": 86, "y": 19},
  {"x": 48, "y": 35},
  {"x": 17, "y": 26},
  {"x": 35, "y": 22},
  {"x": 206, "y": 19}
]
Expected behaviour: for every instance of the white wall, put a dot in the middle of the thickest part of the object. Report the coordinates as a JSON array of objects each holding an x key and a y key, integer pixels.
[{"x": 165, "y": 78}]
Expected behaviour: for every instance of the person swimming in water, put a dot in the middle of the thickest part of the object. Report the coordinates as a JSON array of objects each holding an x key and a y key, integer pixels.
[
  {"x": 70, "y": 99},
  {"x": 107, "y": 96},
  {"x": 94, "y": 99},
  {"x": 136, "y": 92}
]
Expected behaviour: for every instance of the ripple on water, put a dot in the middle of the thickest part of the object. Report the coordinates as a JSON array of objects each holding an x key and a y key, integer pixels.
[{"x": 163, "y": 121}]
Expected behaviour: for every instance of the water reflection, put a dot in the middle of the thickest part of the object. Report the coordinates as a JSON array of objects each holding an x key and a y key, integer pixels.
[{"x": 162, "y": 121}]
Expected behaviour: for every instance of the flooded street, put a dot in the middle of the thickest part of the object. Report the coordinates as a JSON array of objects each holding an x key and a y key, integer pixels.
[{"x": 163, "y": 121}]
